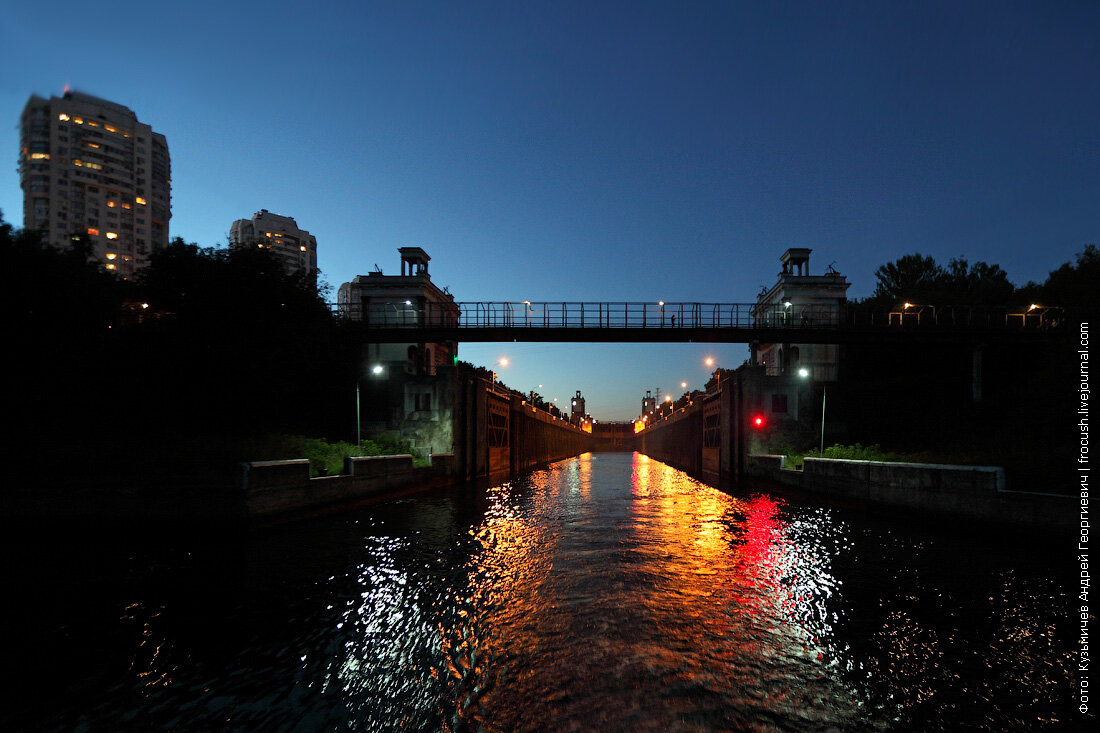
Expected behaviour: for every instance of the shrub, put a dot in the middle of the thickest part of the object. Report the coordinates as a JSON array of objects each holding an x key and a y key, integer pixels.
[{"x": 325, "y": 458}]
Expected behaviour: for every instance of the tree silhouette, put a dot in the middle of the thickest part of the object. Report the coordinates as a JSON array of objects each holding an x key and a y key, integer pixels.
[
  {"x": 918, "y": 278},
  {"x": 913, "y": 276},
  {"x": 1071, "y": 285}
]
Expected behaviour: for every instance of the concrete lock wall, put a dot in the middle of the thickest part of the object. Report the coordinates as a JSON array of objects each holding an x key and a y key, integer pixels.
[
  {"x": 704, "y": 439},
  {"x": 677, "y": 440},
  {"x": 530, "y": 437},
  {"x": 538, "y": 437}
]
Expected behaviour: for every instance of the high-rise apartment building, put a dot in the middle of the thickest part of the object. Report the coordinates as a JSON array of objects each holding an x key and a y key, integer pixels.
[
  {"x": 295, "y": 248},
  {"x": 88, "y": 167}
]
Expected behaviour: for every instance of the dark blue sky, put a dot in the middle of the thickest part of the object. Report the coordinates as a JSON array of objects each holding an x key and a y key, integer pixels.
[{"x": 602, "y": 151}]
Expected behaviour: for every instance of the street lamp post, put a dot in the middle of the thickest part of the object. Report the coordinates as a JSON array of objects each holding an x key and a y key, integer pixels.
[{"x": 804, "y": 373}]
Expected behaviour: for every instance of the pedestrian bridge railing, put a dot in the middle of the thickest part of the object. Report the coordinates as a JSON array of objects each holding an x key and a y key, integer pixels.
[{"x": 633, "y": 315}]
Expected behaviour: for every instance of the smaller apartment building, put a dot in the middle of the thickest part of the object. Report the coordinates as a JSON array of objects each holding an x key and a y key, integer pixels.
[{"x": 295, "y": 248}]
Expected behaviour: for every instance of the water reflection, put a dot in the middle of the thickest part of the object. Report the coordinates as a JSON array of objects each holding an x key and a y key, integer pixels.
[
  {"x": 606, "y": 592},
  {"x": 673, "y": 602}
]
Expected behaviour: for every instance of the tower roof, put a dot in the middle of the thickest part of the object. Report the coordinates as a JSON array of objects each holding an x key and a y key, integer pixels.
[{"x": 413, "y": 254}]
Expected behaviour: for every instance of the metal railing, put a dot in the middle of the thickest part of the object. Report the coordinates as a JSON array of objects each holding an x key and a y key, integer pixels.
[
  {"x": 568, "y": 314},
  {"x": 628, "y": 315}
]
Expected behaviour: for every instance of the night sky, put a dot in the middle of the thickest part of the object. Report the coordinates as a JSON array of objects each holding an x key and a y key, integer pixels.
[{"x": 601, "y": 151}]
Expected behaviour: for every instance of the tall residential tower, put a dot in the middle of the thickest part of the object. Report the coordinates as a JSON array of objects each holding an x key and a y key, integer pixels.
[{"x": 88, "y": 167}]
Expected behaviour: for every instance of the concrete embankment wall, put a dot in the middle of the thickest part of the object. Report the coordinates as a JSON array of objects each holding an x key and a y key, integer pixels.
[
  {"x": 677, "y": 440},
  {"x": 275, "y": 487},
  {"x": 976, "y": 492}
]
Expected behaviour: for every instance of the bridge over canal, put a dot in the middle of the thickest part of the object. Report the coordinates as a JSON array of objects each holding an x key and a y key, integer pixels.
[{"x": 700, "y": 322}]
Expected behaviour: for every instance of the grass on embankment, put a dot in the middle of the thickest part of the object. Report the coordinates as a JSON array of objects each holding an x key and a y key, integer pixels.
[
  {"x": 859, "y": 452},
  {"x": 1027, "y": 468},
  {"x": 325, "y": 458}
]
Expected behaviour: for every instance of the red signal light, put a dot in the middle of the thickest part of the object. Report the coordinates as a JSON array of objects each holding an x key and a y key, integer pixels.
[{"x": 758, "y": 421}]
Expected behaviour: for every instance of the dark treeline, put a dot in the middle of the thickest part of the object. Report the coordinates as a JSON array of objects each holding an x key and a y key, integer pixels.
[
  {"x": 915, "y": 398},
  {"x": 918, "y": 278},
  {"x": 203, "y": 349}
]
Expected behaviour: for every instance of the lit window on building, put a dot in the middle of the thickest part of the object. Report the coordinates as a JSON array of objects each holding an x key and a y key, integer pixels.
[
  {"x": 40, "y": 156},
  {"x": 92, "y": 231},
  {"x": 140, "y": 200},
  {"x": 112, "y": 235},
  {"x": 63, "y": 117},
  {"x": 110, "y": 267},
  {"x": 111, "y": 255}
]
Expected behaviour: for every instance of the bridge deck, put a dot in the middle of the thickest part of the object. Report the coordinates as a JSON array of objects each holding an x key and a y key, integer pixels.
[{"x": 698, "y": 322}]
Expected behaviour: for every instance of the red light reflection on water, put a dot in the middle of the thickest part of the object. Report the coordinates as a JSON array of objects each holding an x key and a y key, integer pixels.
[{"x": 758, "y": 556}]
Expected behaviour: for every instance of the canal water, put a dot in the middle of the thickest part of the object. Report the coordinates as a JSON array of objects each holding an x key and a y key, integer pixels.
[{"x": 606, "y": 592}]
